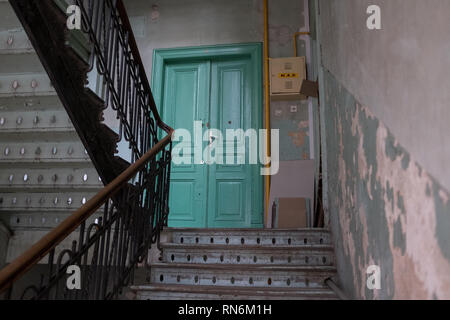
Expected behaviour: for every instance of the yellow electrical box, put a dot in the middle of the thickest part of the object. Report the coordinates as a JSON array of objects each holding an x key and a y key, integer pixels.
[{"x": 287, "y": 75}]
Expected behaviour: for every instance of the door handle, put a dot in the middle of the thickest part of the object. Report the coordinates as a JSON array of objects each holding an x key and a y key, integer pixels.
[{"x": 212, "y": 139}]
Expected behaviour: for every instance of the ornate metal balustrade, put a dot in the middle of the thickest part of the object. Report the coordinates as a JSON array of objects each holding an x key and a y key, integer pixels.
[
  {"x": 108, "y": 248},
  {"x": 124, "y": 85}
]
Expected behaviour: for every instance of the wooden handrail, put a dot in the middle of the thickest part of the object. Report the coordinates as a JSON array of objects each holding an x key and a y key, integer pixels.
[
  {"x": 37, "y": 252},
  {"x": 137, "y": 57}
]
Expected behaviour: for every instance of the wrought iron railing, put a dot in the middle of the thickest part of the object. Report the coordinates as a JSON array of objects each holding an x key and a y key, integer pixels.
[
  {"x": 134, "y": 206},
  {"x": 107, "y": 250},
  {"x": 124, "y": 84}
]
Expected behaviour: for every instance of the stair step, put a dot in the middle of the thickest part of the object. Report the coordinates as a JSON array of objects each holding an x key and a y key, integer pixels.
[
  {"x": 42, "y": 152},
  {"x": 35, "y": 121},
  {"x": 18, "y": 63},
  {"x": 252, "y": 255},
  {"x": 39, "y": 221},
  {"x": 34, "y": 201},
  {"x": 25, "y": 84},
  {"x": 47, "y": 179},
  {"x": 280, "y": 276},
  {"x": 15, "y": 41},
  {"x": 186, "y": 292},
  {"x": 9, "y": 19},
  {"x": 271, "y": 237},
  {"x": 31, "y": 103}
]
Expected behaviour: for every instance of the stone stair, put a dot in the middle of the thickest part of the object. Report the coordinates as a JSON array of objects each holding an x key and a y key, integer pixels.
[
  {"x": 241, "y": 264},
  {"x": 64, "y": 57},
  {"x": 45, "y": 171}
]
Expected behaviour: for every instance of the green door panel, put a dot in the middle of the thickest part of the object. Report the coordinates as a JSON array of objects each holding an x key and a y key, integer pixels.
[
  {"x": 186, "y": 100},
  {"x": 229, "y": 200},
  {"x": 223, "y": 91}
]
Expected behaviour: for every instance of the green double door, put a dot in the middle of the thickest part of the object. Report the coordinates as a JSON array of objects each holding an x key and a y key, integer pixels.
[{"x": 218, "y": 94}]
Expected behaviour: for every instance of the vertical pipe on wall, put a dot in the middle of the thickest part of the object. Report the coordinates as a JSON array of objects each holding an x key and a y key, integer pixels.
[
  {"x": 267, "y": 101},
  {"x": 295, "y": 40}
]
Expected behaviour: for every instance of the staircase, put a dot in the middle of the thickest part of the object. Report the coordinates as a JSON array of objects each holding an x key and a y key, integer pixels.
[
  {"x": 45, "y": 170},
  {"x": 66, "y": 57},
  {"x": 241, "y": 264},
  {"x": 56, "y": 88},
  {"x": 83, "y": 70}
]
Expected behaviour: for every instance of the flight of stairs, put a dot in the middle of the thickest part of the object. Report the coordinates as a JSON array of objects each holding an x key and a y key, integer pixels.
[
  {"x": 241, "y": 264},
  {"x": 45, "y": 170},
  {"x": 65, "y": 56}
]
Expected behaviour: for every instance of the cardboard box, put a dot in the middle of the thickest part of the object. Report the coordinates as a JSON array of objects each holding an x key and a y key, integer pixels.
[{"x": 292, "y": 213}]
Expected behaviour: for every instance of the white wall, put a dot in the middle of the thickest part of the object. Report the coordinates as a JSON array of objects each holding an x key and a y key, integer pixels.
[{"x": 401, "y": 73}]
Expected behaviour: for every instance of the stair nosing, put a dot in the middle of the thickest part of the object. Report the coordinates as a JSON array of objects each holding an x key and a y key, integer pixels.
[
  {"x": 246, "y": 267},
  {"x": 246, "y": 247},
  {"x": 215, "y": 230},
  {"x": 216, "y": 289},
  {"x": 12, "y": 52}
]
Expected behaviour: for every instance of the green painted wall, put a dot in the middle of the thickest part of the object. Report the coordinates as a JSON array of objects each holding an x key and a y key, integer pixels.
[
  {"x": 385, "y": 209},
  {"x": 385, "y": 205}
]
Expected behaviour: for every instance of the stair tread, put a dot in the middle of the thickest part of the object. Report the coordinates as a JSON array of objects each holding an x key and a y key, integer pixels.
[
  {"x": 214, "y": 230},
  {"x": 60, "y": 60},
  {"x": 236, "y": 247},
  {"x": 24, "y": 62},
  {"x": 246, "y": 267},
  {"x": 224, "y": 289},
  {"x": 13, "y": 51},
  {"x": 29, "y": 94}
]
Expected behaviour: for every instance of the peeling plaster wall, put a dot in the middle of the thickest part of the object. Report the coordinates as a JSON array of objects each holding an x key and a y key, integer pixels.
[
  {"x": 294, "y": 130},
  {"x": 175, "y": 23},
  {"x": 286, "y": 18},
  {"x": 385, "y": 209},
  {"x": 400, "y": 72},
  {"x": 385, "y": 130}
]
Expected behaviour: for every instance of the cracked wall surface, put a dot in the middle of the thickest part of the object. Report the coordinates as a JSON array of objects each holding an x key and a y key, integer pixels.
[{"x": 384, "y": 208}]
